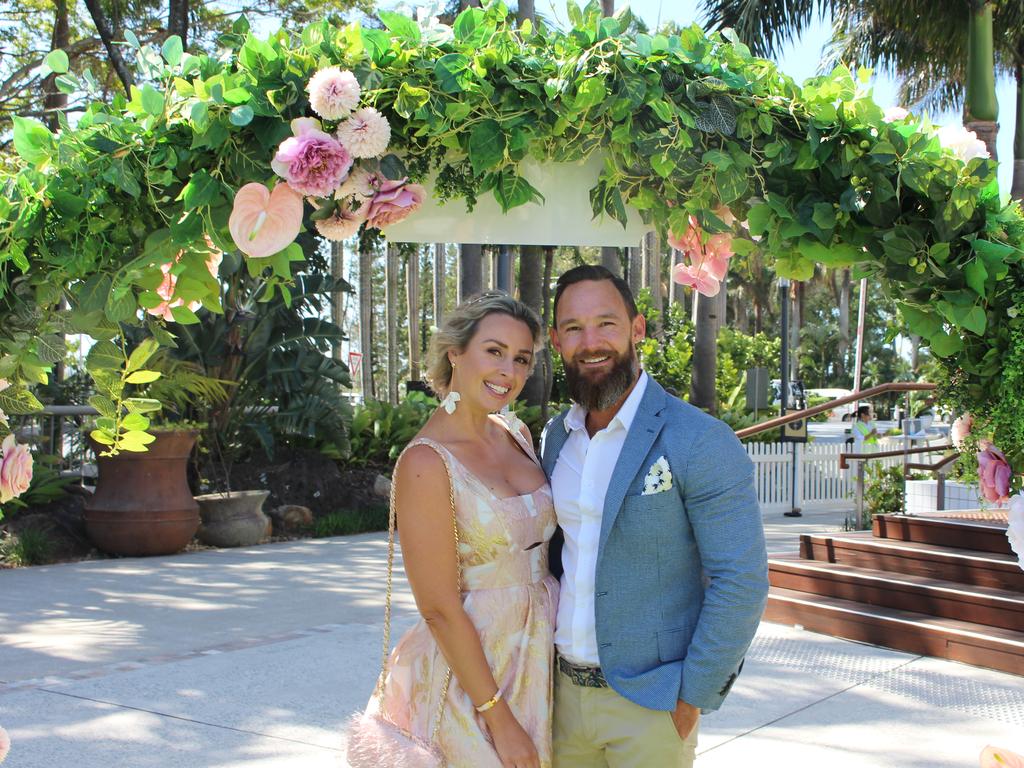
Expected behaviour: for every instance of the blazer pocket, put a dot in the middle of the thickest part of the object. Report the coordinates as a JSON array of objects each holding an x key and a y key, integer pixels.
[{"x": 674, "y": 643}]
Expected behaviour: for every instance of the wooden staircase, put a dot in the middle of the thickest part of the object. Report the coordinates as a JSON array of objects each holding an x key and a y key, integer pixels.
[{"x": 935, "y": 586}]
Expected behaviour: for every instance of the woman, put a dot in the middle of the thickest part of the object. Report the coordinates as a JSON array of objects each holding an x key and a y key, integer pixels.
[{"x": 497, "y": 633}]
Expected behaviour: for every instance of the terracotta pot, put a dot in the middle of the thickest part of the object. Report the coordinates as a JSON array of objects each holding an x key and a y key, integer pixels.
[
  {"x": 142, "y": 504},
  {"x": 234, "y": 520}
]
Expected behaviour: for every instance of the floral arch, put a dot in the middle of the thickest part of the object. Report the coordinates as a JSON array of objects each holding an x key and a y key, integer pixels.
[{"x": 123, "y": 216}]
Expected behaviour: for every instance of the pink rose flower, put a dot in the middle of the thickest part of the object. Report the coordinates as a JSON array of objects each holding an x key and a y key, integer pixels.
[
  {"x": 393, "y": 202},
  {"x": 994, "y": 474},
  {"x": 15, "y": 470},
  {"x": 960, "y": 430},
  {"x": 366, "y": 133},
  {"x": 311, "y": 161},
  {"x": 333, "y": 93}
]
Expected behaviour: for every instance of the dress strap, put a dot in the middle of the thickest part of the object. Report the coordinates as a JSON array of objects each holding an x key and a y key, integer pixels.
[{"x": 514, "y": 425}]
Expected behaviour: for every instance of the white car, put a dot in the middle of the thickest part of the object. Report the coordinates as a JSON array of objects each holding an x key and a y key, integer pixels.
[{"x": 834, "y": 393}]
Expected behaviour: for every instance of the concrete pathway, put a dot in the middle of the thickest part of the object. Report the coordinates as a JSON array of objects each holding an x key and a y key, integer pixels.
[{"x": 256, "y": 657}]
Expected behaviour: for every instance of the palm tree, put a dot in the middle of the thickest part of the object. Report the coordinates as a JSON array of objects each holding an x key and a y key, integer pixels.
[{"x": 945, "y": 53}]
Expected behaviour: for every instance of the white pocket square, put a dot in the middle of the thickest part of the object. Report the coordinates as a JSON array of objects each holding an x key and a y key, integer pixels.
[{"x": 659, "y": 478}]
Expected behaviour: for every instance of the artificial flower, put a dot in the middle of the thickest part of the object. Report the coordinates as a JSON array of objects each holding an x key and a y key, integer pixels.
[
  {"x": 393, "y": 202},
  {"x": 994, "y": 473},
  {"x": 965, "y": 144},
  {"x": 15, "y": 469},
  {"x": 895, "y": 114},
  {"x": 344, "y": 223},
  {"x": 361, "y": 183},
  {"x": 333, "y": 93},
  {"x": 264, "y": 222},
  {"x": 366, "y": 133},
  {"x": 5, "y": 744},
  {"x": 1015, "y": 529},
  {"x": 960, "y": 430},
  {"x": 696, "y": 277},
  {"x": 4, "y": 384},
  {"x": 997, "y": 757},
  {"x": 311, "y": 161}
]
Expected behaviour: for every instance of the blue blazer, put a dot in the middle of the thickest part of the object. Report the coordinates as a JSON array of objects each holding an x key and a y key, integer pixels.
[{"x": 682, "y": 575}]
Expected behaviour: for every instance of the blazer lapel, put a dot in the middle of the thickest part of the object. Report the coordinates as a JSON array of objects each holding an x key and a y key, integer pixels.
[
  {"x": 553, "y": 442},
  {"x": 647, "y": 424}
]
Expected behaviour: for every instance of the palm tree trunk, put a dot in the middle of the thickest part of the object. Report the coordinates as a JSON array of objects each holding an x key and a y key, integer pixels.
[
  {"x": 55, "y": 100},
  {"x": 471, "y": 269},
  {"x": 439, "y": 283},
  {"x": 705, "y": 352},
  {"x": 366, "y": 318},
  {"x": 531, "y": 293},
  {"x": 337, "y": 294},
  {"x": 980, "y": 105},
  {"x": 545, "y": 354},
  {"x": 844, "y": 322},
  {"x": 1017, "y": 190},
  {"x": 652, "y": 243},
  {"x": 636, "y": 270},
  {"x": 177, "y": 20},
  {"x": 412, "y": 292},
  {"x": 391, "y": 308}
]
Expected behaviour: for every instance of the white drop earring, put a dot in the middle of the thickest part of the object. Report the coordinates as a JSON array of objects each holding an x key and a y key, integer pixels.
[{"x": 452, "y": 398}]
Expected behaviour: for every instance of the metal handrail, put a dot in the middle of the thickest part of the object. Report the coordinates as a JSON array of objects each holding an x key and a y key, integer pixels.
[
  {"x": 843, "y": 457},
  {"x": 865, "y": 394},
  {"x": 938, "y": 466}
]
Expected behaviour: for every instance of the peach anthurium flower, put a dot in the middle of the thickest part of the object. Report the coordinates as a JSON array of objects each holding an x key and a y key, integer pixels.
[
  {"x": 996, "y": 757},
  {"x": 264, "y": 222},
  {"x": 15, "y": 469}
]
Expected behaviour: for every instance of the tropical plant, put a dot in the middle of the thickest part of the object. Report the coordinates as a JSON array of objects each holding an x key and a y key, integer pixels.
[
  {"x": 380, "y": 431},
  {"x": 686, "y": 123}
]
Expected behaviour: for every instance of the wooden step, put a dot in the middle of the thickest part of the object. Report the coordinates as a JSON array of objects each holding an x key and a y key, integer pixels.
[
  {"x": 983, "y": 569},
  {"x": 943, "y": 532},
  {"x": 912, "y": 632},
  {"x": 921, "y": 594}
]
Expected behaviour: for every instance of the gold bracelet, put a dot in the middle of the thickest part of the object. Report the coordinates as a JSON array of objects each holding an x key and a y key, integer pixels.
[{"x": 489, "y": 704}]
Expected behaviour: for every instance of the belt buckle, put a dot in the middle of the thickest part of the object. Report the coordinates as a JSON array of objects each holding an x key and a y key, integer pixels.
[{"x": 587, "y": 677}]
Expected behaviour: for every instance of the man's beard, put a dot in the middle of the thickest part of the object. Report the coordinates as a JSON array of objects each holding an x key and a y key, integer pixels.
[{"x": 602, "y": 393}]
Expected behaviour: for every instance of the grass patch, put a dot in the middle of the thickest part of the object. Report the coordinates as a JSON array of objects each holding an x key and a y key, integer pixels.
[
  {"x": 30, "y": 547},
  {"x": 348, "y": 521}
]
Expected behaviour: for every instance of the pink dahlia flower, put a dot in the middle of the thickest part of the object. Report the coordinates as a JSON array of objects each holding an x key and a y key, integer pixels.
[
  {"x": 344, "y": 223},
  {"x": 393, "y": 202},
  {"x": 994, "y": 474},
  {"x": 15, "y": 469},
  {"x": 333, "y": 93},
  {"x": 311, "y": 161},
  {"x": 366, "y": 133}
]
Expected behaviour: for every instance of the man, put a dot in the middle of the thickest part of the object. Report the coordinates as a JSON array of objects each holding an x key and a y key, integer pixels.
[{"x": 665, "y": 571}]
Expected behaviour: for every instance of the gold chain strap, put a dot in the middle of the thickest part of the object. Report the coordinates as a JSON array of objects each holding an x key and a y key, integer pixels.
[{"x": 392, "y": 525}]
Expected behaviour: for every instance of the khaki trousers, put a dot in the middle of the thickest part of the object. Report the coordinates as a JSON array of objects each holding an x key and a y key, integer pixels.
[{"x": 598, "y": 728}]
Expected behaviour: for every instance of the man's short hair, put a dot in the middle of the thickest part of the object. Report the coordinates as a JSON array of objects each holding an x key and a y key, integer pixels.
[{"x": 594, "y": 272}]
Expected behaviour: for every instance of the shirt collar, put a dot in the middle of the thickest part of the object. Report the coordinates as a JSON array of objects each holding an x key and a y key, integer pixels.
[{"x": 577, "y": 416}]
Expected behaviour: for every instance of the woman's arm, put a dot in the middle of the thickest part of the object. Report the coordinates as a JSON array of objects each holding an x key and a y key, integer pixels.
[{"x": 428, "y": 549}]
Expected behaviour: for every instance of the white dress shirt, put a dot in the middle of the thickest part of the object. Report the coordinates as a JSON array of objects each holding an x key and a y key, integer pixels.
[{"x": 579, "y": 484}]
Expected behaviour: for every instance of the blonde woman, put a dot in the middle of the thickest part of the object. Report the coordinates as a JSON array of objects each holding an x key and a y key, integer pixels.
[{"x": 495, "y": 630}]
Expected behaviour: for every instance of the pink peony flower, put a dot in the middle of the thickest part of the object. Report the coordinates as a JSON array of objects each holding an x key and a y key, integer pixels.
[
  {"x": 696, "y": 277},
  {"x": 994, "y": 474},
  {"x": 311, "y": 161},
  {"x": 15, "y": 469},
  {"x": 366, "y": 133},
  {"x": 996, "y": 757},
  {"x": 965, "y": 144},
  {"x": 333, "y": 93},
  {"x": 5, "y": 744},
  {"x": 262, "y": 222},
  {"x": 895, "y": 114},
  {"x": 393, "y": 202},
  {"x": 960, "y": 430},
  {"x": 1015, "y": 529},
  {"x": 344, "y": 223},
  {"x": 4, "y": 384}
]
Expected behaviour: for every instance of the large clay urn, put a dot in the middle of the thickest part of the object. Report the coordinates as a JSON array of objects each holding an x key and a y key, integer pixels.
[{"x": 142, "y": 504}]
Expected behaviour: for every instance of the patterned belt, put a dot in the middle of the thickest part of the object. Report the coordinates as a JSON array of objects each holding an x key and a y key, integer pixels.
[{"x": 588, "y": 677}]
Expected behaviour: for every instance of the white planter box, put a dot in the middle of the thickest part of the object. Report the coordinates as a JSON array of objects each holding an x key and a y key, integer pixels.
[
  {"x": 922, "y": 496},
  {"x": 565, "y": 218}
]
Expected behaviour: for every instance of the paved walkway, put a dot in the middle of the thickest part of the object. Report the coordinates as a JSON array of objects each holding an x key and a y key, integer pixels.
[{"x": 256, "y": 657}]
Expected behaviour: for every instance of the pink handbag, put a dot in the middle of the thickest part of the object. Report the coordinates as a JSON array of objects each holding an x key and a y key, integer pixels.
[{"x": 373, "y": 740}]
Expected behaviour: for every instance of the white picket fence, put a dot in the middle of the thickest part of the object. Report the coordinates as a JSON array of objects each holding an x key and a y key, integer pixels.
[{"x": 820, "y": 483}]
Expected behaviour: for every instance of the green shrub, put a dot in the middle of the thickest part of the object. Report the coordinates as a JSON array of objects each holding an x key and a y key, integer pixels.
[
  {"x": 883, "y": 492},
  {"x": 349, "y": 521},
  {"x": 29, "y": 547},
  {"x": 380, "y": 431}
]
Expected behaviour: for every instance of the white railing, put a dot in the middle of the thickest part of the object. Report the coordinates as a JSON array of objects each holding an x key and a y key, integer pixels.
[{"x": 820, "y": 483}]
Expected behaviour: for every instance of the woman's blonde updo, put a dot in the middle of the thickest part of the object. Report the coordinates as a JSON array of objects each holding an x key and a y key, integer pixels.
[{"x": 461, "y": 324}]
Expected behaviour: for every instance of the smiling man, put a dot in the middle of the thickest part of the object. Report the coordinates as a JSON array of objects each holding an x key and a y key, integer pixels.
[{"x": 662, "y": 554}]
